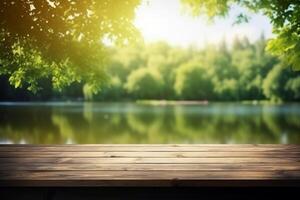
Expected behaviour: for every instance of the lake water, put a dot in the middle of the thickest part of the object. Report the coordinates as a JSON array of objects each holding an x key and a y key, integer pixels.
[{"x": 128, "y": 123}]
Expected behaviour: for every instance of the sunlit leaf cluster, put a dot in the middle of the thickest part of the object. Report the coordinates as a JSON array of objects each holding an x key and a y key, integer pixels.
[{"x": 62, "y": 40}]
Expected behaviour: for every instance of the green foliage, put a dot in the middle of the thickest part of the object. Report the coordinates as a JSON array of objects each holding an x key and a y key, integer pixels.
[
  {"x": 211, "y": 8},
  {"x": 192, "y": 82},
  {"x": 282, "y": 84},
  {"x": 283, "y": 14},
  {"x": 272, "y": 85},
  {"x": 61, "y": 40},
  {"x": 243, "y": 71},
  {"x": 227, "y": 89},
  {"x": 293, "y": 85},
  {"x": 145, "y": 83}
]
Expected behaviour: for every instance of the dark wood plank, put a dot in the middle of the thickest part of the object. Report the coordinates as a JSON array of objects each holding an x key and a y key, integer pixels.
[
  {"x": 147, "y": 178},
  {"x": 149, "y": 175},
  {"x": 152, "y": 183}
]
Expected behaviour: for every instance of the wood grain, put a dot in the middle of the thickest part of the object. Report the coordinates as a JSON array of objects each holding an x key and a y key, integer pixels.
[{"x": 149, "y": 165}]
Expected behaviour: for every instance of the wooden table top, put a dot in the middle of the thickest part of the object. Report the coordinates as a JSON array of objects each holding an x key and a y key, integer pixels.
[{"x": 149, "y": 165}]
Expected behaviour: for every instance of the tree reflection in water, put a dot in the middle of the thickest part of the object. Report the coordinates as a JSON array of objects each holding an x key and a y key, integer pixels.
[{"x": 129, "y": 123}]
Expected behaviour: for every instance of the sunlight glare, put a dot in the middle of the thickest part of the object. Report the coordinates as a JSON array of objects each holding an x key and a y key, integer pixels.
[{"x": 165, "y": 21}]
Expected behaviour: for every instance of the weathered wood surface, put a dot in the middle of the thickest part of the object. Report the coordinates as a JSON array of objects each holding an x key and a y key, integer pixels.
[{"x": 149, "y": 165}]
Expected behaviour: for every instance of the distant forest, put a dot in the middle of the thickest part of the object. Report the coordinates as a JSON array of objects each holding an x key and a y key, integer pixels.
[{"x": 241, "y": 71}]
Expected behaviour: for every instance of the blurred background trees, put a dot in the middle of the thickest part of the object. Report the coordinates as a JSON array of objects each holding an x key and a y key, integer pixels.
[
  {"x": 52, "y": 44},
  {"x": 242, "y": 71}
]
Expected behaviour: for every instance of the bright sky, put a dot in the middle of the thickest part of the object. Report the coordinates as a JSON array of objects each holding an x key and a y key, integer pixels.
[{"x": 164, "y": 20}]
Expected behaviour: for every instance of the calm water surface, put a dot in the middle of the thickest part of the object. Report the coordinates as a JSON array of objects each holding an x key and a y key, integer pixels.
[{"x": 82, "y": 123}]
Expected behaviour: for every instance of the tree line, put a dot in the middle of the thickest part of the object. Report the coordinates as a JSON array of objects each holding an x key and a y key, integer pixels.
[
  {"x": 63, "y": 41},
  {"x": 236, "y": 72}
]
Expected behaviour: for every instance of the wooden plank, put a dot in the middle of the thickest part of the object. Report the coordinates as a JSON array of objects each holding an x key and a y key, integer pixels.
[
  {"x": 279, "y": 146},
  {"x": 152, "y": 148},
  {"x": 147, "y": 167},
  {"x": 149, "y": 175},
  {"x": 294, "y": 161},
  {"x": 246, "y": 146},
  {"x": 152, "y": 183},
  {"x": 146, "y": 154}
]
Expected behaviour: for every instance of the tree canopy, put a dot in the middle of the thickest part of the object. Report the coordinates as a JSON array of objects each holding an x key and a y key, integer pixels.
[
  {"x": 61, "y": 40},
  {"x": 283, "y": 14},
  {"x": 160, "y": 71}
]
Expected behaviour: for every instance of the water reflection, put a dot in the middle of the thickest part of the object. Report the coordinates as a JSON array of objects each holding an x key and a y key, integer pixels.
[{"x": 132, "y": 123}]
